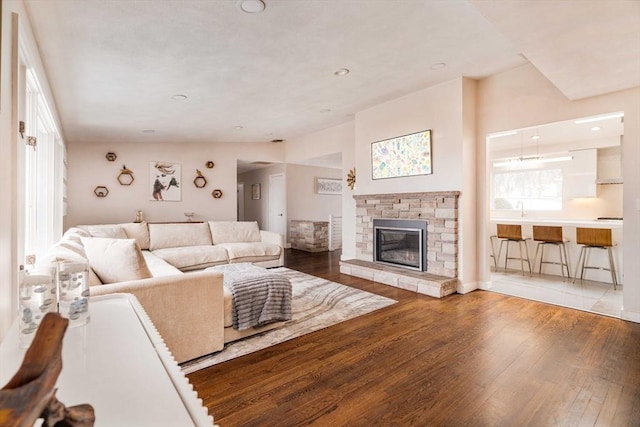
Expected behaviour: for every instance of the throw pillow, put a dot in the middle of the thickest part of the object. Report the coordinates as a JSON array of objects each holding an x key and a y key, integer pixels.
[
  {"x": 138, "y": 231},
  {"x": 112, "y": 231},
  {"x": 116, "y": 260}
]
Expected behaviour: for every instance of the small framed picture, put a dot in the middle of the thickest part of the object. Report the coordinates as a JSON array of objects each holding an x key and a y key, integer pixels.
[
  {"x": 164, "y": 182},
  {"x": 328, "y": 186},
  {"x": 255, "y": 192}
]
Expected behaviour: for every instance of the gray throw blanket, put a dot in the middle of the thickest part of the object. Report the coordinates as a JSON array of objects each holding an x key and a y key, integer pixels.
[{"x": 259, "y": 297}]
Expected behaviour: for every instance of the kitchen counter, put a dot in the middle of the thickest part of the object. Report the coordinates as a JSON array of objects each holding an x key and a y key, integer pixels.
[
  {"x": 597, "y": 258},
  {"x": 559, "y": 221}
]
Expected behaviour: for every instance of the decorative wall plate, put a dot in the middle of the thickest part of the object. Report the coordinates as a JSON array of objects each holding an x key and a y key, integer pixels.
[
  {"x": 199, "y": 181},
  {"x": 101, "y": 191},
  {"x": 126, "y": 176},
  {"x": 351, "y": 178}
]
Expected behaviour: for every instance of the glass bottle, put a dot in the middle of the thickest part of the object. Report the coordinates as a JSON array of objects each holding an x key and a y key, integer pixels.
[{"x": 37, "y": 297}]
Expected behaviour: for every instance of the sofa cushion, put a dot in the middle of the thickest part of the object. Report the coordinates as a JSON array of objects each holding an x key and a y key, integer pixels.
[
  {"x": 178, "y": 235},
  {"x": 234, "y": 231},
  {"x": 159, "y": 267},
  {"x": 193, "y": 257},
  {"x": 138, "y": 231},
  {"x": 112, "y": 231},
  {"x": 251, "y": 252},
  {"x": 116, "y": 260}
]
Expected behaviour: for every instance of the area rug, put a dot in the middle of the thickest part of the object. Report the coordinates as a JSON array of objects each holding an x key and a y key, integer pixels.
[{"x": 317, "y": 303}]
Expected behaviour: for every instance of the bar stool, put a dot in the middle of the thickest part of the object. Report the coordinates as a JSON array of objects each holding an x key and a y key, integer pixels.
[
  {"x": 493, "y": 251},
  {"x": 598, "y": 238},
  {"x": 512, "y": 233},
  {"x": 550, "y": 235}
]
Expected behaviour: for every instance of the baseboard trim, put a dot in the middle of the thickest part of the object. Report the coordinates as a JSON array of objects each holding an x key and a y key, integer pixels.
[
  {"x": 632, "y": 316},
  {"x": 485, "y": 286},
  {"x": 465, "y": 288}
]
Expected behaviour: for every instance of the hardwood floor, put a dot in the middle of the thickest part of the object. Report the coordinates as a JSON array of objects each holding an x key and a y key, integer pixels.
[{"x": 481, "y": 359}]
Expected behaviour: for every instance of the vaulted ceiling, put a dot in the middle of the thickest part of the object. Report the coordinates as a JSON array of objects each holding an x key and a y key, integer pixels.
[{"x": 116, "y": 66}]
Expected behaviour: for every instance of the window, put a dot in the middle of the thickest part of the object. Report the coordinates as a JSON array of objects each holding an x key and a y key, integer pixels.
[
  {"x": 531, "y": 189},
  {"x": 44, "y": 173}
]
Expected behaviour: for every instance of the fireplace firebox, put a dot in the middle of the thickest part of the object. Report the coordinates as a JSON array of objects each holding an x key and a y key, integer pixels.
[{"x": 402, "y": 243}]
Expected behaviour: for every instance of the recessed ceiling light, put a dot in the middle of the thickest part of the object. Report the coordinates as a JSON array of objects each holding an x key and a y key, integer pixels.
[
  {"x": 277, "y": 140},
  {"x": 596, "y": 128},
  {"x": 238, "y": 127},
  {"x": 251, "y": 6},
  {"x": 438, "y": 66},
  {"x": 501, "y": 134},
  {"x": 179, "y": 97},
  {"x": 341, "y": 72},
  {"x": 148, "y": 131}
]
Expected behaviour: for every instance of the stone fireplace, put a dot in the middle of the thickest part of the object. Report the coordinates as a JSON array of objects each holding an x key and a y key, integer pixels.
[{"x": 440, "y": 212}]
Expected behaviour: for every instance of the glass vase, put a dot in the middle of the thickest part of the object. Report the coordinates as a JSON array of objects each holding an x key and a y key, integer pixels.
[
  {"x": 73, "y": 292},
  {"x": 37, "y": 298}
]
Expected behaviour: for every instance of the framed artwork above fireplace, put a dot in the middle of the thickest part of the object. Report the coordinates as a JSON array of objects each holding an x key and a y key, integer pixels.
[{"x": 406, "y": 155}]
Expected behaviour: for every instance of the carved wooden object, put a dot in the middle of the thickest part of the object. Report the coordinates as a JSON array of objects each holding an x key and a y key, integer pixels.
[{"x": 30, "y": 394}]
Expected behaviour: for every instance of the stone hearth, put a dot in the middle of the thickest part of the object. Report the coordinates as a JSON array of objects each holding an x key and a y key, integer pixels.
[
  {"x": 416, "y": 281},
  {"x": 440, "y": 209}
]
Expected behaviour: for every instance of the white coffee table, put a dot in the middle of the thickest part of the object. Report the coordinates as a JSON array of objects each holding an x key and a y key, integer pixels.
[{"x": 120, "y": 365}]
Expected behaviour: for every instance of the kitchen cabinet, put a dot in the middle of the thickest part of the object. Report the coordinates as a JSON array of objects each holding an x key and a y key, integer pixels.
[{"x": 580, "y": 174}]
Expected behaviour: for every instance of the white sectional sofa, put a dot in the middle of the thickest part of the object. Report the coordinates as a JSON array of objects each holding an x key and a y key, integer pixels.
[{"x": 163, "y": 264}]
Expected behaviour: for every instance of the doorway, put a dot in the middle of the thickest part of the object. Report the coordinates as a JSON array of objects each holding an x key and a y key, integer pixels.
[
  {"x": 277, "y": 204},
  {"x": 240, "y": 201},
  {"x": 565, "y": 174}
]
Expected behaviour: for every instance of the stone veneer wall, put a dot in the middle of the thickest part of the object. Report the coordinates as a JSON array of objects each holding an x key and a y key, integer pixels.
[
  {"x": 439, "y": 208},
  {"x": 310, "y": 236}
]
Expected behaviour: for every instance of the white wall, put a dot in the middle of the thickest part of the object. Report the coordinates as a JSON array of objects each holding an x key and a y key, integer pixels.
[
  {"x": 438, "y": 108},
  {"x": 303, "y": 202},
  {"x": 337, "y": 139},
  {"x": 89, "y": 168},
  {"x": 522, "y": 97},
  {"x": 258, "y": 210}
]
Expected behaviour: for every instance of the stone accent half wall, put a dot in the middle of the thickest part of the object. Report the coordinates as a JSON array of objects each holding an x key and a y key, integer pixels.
[
  {"x": 310, "y": 236},
  {"x": 439, "y": 208}
]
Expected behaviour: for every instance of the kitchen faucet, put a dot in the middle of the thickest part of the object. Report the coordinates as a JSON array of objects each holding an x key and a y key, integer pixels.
[{"x": 521, "y": 205}]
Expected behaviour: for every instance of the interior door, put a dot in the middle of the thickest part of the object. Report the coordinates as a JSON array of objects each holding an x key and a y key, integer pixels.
[
  {"x": 277, "y": 204},
  {"x": 240, "y": 200}
]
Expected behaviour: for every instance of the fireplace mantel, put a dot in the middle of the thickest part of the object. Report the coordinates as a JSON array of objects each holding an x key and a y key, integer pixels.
[{"x": 439, "y": 208}]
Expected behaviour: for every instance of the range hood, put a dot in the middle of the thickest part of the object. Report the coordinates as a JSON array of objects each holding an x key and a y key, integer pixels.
[
  {"x": 610, "y": 165},
  {"x": 609, "y": 181}
]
